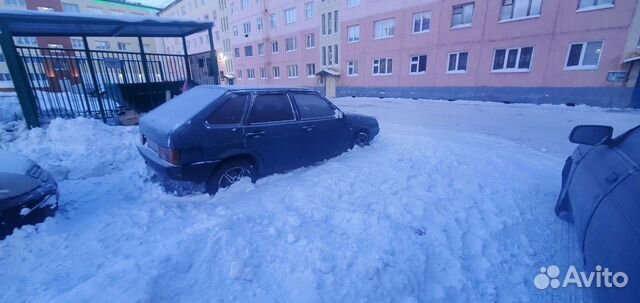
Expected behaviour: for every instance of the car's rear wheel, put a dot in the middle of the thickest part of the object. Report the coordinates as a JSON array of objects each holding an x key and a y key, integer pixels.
[
  {"x": 229, "y": 173},
  {"x": 362, "y": 139}
]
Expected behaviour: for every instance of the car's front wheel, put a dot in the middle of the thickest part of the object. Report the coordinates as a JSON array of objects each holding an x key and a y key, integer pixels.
[
  {"x": 362, "y": 139},
  {"x": 229, "y": 173}
]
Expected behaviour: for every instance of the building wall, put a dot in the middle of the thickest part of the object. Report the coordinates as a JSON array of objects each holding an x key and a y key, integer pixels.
[{"x": 550, "y": 33}]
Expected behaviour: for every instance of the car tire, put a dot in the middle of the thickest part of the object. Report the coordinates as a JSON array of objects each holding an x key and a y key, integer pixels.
[
  {"x": 229, "y": 173},
  {"x": 361, "y": 139}
]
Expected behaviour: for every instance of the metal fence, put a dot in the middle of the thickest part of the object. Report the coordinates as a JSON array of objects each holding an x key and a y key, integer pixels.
[{"x": 64, "y": 85}]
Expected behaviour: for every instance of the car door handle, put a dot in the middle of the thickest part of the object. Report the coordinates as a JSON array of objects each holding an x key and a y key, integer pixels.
[
  {"x": 308, "y": 127},
  {"x": 254, "y": 134}
]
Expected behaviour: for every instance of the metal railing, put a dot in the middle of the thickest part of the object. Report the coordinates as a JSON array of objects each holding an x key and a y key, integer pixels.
[{"x": 63, "y": 85}]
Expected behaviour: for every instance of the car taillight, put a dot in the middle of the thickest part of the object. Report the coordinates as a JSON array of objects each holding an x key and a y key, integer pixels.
[{"x": 170, "y": 155}]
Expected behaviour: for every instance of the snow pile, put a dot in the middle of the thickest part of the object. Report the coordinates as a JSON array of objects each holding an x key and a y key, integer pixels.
[
  {"x": 9, "y": 107},
  {"x": 421, "y": 215}
]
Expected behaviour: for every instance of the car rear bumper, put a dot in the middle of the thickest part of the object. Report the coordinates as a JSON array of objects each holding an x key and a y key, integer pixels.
[
  {"x": 194, "y": 172},
  {"x": 31, "y": 208}
]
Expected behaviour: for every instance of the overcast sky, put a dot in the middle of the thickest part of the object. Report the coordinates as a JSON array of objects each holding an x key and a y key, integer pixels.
[{"x": 156, "y": 3}]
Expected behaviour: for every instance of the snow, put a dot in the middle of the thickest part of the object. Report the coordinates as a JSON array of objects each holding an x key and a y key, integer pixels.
[
  {"x": 452, "y": 202},
  {"x": 9, "y": 107}
]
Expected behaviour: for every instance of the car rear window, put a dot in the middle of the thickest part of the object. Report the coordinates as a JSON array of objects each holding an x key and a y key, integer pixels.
[
  {"x": 312, "y": 106},
  {"x": 230, "y": 112},
  {"x": 271, "y": 108}
]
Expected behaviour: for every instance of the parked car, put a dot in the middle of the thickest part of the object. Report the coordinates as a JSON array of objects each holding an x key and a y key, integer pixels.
[
  {"x": 28, "y": 193},
  {"x": 601, "y": 196},
  {"x": 216, "y": 135}
]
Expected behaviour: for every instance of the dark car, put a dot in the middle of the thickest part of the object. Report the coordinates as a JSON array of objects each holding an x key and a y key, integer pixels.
[
  {"x": 216, "y": 135},
  {"x": 28, "y": 193},
  {"x": 601, "y": 196}
]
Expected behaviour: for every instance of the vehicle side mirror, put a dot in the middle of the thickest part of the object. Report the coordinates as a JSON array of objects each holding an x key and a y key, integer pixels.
[{"x": 591, "y": 134}]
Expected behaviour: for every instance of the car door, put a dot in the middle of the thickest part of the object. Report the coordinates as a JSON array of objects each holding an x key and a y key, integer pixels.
[
  {"x": 223, "y": 134},
  {"x": 324, "y": 132},
  {"x": 272, "y": 131}
]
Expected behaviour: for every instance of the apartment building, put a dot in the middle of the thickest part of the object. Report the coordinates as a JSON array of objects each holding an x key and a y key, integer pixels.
[
  {"x": 544, "y": 51},
  {"x": 110, "y": 7}
]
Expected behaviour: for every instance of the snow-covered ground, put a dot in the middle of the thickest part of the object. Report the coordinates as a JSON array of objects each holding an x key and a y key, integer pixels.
[{"x": 453, "y": 202}]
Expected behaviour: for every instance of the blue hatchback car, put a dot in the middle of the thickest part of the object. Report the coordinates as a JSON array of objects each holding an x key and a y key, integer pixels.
[
  {"x": 217, "y": 135},
  {"x": 601, "y": 196}
]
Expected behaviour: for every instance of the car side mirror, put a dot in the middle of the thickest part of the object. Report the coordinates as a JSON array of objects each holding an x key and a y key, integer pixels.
[{"x": 591, "y": 134}]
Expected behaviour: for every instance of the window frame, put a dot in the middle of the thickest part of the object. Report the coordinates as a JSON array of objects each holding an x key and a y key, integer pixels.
[
  {"x": 352, "y": 65},
  {"x": 392, "y": 19},
  {"x": 253, "y": 102},
  {"x": 294, "y": 44},
  {"x": 313, "y": 66},
  {"x": 379, "y": 64},
  {"x": 504, "y": 68},
  {"x": 580, "y": 65},
  {"x": 309, "y": 37},
  {"x": 290, "y": 12},
  {"x": 355, "y": 26},
  {"x": 413, "y": 22},
  {"x": 462, "y": 6},
  {"x": 296, "y": 69},
  {"x": 512, "y": 18},
  {"x": 308, "y": 10},
  {"x": 228, "y": 98},
  {"x": 299, "y": 113},
  {"x": 457, "y": 71},
  {"x": 353, "y": 3},
  {"x": 411, "y": 63},
  {"x": 595, "y": 6}
]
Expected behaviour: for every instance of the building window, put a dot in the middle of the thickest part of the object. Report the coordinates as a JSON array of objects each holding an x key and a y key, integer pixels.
[
  {"x": 25, "y": 41},
  {"x": 235, "y": 30},
  {"x": 272, "y": 21},
  {"x": 457, "y": 62},
  {"x": 290, "y": 15},
  {"x": 263, "y": 73},
  {"x": 248, "y": 51},
  {"x": 124, "y": 46},
  {"x": 290, "y": 44},
  {"x": 329, "y": 23},
  {"x": 239, "y": 74},
  {"x": 77, "y": 43},
  {"x": 274, "y": 47},
  {"x": 55, "y": 45},
  {"x": 515, "y": 9},
  {"x": 103, "y": 45},
  {"x": 595, "y": 4},
  {"x": 311, "y": 70},
  {"x": 70, "y": 8},
  {"x": 310, "y": 40},
  {"x": 308, "y": 10},
  {"x": 14, "y": 3},
  {"x": 352, "y": 67},
  {"x": 276, "y": 72},
  {"x": 462, "y": 15},
  {"x": 251, "y": 74},
  {"x": 384, "y": 28},
  {"x": 244, "y": 4},
  {"x": 5, "y": 77},
  {"x": 236, "y": 52},
  {"x": 324, "y": 26},
  {"x": 353, "y": 3},
  {"x": 329, "y": 55},
  {"x": 260, "y": 49},
  {"x": 94, "y": 10},
  {"x": 584, "y": 55},
  {"x": 292, "y": 71},
  {"x": 353, "y": 33},
  {"x": 512, "y": 59},
  {"x": 421, "y": 22},
  {"x": 246, "y": 28},
  {"x": 324, "y": 56},
  {"x": 335, "y": 54},
  {"x": 259, "y": 24},
  {"x": 418, "y": 64},
  {"x": 382, "y": 66},
  {"x": 335, "y": 22}
]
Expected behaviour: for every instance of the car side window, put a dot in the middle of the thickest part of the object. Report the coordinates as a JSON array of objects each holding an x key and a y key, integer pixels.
[
  {"x": 271, "y": 108},
  {"x": 230, "y": 112},
  {"x": 312, "y": 106}
]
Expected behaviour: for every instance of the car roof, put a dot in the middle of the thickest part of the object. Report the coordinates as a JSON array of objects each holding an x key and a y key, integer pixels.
[{"x": 262, "y": 88}]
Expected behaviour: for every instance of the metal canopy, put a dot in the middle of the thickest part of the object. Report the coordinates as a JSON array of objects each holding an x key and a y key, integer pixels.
[{"x": 34, "y": 23}]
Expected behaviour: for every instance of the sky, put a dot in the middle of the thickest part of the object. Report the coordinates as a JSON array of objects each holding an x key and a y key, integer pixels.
[{"x": 155, "y": 3}]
